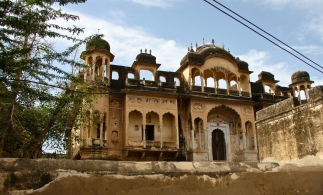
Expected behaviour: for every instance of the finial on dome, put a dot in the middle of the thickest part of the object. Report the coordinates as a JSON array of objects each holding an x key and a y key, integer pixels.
[
  {"x": 145, "y": 50},
  {"x": 188, "y": 49},
  {"x": 191, "y": 46},
  {"x": 229, "y": 50},
  {"x": 150, "y": 52},
  {"x": 213, "y": 41},
  {"x": 203, "y": 41},
  {"x": 140, "y": 50},
  {"x": 196, "y": 45},
  {"x": 222, "y": 46}
]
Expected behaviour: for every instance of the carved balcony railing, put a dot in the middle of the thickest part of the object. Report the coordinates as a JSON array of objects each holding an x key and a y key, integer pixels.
[
  {"x": 245, "y": 94},
  {"x": 222, "y": 91},
  {"x": 234, "y": 92},
  {"x": 151, "y": 144}
]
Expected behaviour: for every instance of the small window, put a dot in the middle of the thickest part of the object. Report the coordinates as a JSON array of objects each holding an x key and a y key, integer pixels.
[
  {"x": 162, "y": 79},
  {"x": 131, "y": 76},
  {"x": 115, "y": 75},
  {"x": 176, "y": 80}
]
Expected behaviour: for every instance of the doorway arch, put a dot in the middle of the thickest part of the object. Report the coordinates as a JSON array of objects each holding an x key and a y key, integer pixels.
[{"x": 218, "y": 145}]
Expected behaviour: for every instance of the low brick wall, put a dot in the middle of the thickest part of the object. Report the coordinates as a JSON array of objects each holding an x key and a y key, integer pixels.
[{"x": 44, "y": 176}]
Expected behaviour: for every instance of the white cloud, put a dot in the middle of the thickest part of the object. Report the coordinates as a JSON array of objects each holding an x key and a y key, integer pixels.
[
  {"x": 309, "y": 49},
  {"x": 303, "y": 4},
  {"x": 155, "y": 3},
  {"x": 126, "y": 42},
  {"x": 260, "y": 61}
]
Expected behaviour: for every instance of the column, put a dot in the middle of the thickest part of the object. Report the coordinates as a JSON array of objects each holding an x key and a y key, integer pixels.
[
  {"x": 199, "y": 140},
  {"x": 101, "y": 129},
  {"x": 144, "y": 134},
  {"x": 239, "y": 87},
  {"x": 244, "y": 141},
  {"x": 187, "y": 141},
  {"x": 202, "y": 82},
  {"x": 216, "y": 84},
  {"x": 255, "y": 141},
  {"x": 192, "y": 135},
  {"x": 161, "y": 136},
  {"x": 237, "y": 142},
  {"x": 299, "y": 95},
  {"x": 102, "y": 68},
  {"x": 91, "y": 128},
  {"x": 190, "y": 80},
  {"x": 93, "y": 72},
  {"x": 228, "y": 87}
]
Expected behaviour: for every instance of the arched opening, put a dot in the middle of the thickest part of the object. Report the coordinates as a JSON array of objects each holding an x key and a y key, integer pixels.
[
  {"x": 115, "y": 75},
  {"x": 222, "y": 84},
  {"x": 147, "y": 75},
  {"x": 302, "y": 92},
  {"x": 176, "y": 80},
  {"x": 131, "y": 76},
  {"x": 135, "y": 126},
  {"x": 210, "y": 82},
  {"x": 218, "y": 145},
  {"x": 162, "y": 79},
  {"x": 152, "y": 122},
  {"x": 197, "y": 81},
  {"x": 169, "y": 131},
  {"x": 199, "y": 133}
]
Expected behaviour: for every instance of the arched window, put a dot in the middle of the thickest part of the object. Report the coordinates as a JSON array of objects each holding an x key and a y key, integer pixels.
[
  {"x": 176, "y": 80},
  {"x": 131, "y": 76},
  {"x": 162, "y": 79},
  {"x": 147, "y": 75},
  {"x": 115, "y": 75}
]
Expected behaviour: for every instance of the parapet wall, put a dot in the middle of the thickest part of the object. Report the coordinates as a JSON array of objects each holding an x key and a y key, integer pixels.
[
  {"x": 43, "y": 176},
  {"x": 288, "y": 131}
]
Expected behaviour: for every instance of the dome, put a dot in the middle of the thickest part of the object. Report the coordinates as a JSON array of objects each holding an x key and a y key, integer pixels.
[
  {"x": 300, "y": 76},
  {"x": 242, "y": 65},
  {"x": 210, "y": 49},
  {"x": 146, "y": 57},
  {"x": 263, "y": 75},
  {"x": 203, "y": 52},
  {"x": 97, "y": 43}
]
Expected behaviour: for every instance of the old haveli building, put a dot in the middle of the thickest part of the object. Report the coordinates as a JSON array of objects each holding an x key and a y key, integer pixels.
[{"x": 205, "y": 111}]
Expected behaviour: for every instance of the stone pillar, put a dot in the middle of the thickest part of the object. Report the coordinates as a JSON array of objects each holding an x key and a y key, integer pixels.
[
  {"x": 237, "y": 142},
  {"x": 161, "y": 136},
  {"x": 144, "y": 134},
  {"x": 202, "y": 82},
  {"x": 190, "y": 80},
  {"x": 216, "y": 85},
  {"x": 93, "y": 72},
  {"x": 199, "y": 140},
  {"x": 91, "y": 127},
  {"x": 101, "y": 129},
  {"x": 228, "y": 87},
  {"x": 244, "y": 141},
  {"x": 102, "y": 68},
  {"x": 192, "y": 135},
  {"x": 255, "y": 141},
  {"x": 239, "y": 87},
  {"x": 187, "y": 140}
]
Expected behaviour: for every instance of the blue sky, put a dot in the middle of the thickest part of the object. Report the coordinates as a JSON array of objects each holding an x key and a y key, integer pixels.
[{"x": 168, "y": 27}]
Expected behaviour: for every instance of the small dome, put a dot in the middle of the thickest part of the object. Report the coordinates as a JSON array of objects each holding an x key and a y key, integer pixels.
[
  {"x": 242, "y": 65},
  {"x": 97, "y": 43},
  {"x": 263, "y": 75},
  {"x": 210, "y": 49},
  {"x": 300, "y": 76},
  {"x": 146, "y": 57}
]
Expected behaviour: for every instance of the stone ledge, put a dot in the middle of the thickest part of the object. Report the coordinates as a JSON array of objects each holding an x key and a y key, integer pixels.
[{"x": 135, "y": 168}]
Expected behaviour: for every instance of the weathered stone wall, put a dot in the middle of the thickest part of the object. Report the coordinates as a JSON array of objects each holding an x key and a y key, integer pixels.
[
  {"x": 288, "y": 131},
  {"x": 24, "y": 176}
]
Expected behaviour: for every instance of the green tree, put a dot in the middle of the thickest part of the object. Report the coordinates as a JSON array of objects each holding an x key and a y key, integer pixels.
[{"x": 31, "y": 111}]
